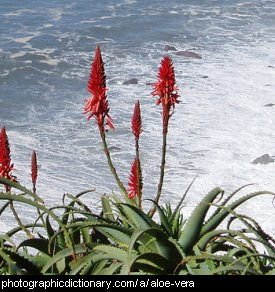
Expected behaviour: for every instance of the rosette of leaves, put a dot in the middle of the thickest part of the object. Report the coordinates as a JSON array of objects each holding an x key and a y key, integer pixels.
[
  {"x": 194, "y": 246},
  {"x": 123, "y": 239}
]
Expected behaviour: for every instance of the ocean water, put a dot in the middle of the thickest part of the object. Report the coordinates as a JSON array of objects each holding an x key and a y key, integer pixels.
[{"x": 221, "y": 125}]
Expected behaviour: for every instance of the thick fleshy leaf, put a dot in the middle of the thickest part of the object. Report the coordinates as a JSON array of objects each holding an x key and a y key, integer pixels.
[
  {"x": 163, "y": 219},
  {"x": 106, "y": 208},
  {"x": 39, "y": 244},
  {"x": 19, "y": 187},
  {"x": 220, "y": 216},
  {"x": 62, "y": 255},
  {"x": 113, "y": 252},
  {"x": 137, "y": 218},
  {"x": 192, "y": 228}
]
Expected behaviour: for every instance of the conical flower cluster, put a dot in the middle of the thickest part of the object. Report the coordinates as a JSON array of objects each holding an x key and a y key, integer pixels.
[
  {"x": 97, "y": 105},
  {"x": 136, "y": 121},
  {"x": 34, "y": 170},
  {"x": 133, "y": 185},
  {"x": 5, "y": 161},
  {"x": 166, "y": 89}
]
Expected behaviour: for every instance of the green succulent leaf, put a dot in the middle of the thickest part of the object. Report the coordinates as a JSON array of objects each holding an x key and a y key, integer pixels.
[
  {"x": 36, "y": 243},
  {"x": 119, "y": 234},
  {"x": 113, "y": 252},
  {"x": 106, "y": 208},
  {"x": 17, "y": 198},
  {"x": 192, "y": 228},
  {"x": 50, "y": 230},
  {"x": 89, "y": 261},
  {"x": 137, "y": 218},
  {"x": 78, "y": 249},
  {"x": 20, "y": 188},
  {"x": 21, "y": 261},
  {"x": 163, "y": 219},
  {"x": 182, "y": 200},
  {"x": 112, "y": 269},
  {"x": 222, "y": 214},
  {"x": 153, "y": 260}
]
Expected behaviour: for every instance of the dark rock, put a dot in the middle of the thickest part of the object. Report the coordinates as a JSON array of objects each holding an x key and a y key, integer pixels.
[
  {"x": 264, "y": 159},
  {"x": 270, "y": 66},
  {"x": 169, "y": 48},
  {"x": 204, "y": 76},
  {"x": 188, "y": 54},
  {"x": 130, "y": 81},
  {"x": 269, "y": 104}
]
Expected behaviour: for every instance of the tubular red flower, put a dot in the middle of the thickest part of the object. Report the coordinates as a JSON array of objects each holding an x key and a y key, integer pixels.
[
  {"x": 166, "y": 89},
  {"x": 4, "y": 148},
  {"x": 136, "y": 121},
  {"x": 97, "y": 105},
  {"x": 134, "y": 181},
  {"x": 34, "y": 171},
  {"x": 5, "y": 161}
]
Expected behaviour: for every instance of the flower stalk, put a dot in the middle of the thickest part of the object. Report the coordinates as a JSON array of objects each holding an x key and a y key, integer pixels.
[
  {"x": 110, "y": 163},
  {"x": 34, "y": 174},
  {"x": 135, "y": 180},
  {"x": 6, "y": 168},
  {"x": 166, "y": 90},
  {"x": 97, "y": 107}
]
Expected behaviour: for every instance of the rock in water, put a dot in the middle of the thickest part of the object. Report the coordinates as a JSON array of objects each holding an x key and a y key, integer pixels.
[
  {"x": 130, "y": 81},
  {"x": 169, "y": 48},
  {"x": 188, "y": 54},
  {"x": 264, "y": 159},
  {"x": 269, "y": 104}
]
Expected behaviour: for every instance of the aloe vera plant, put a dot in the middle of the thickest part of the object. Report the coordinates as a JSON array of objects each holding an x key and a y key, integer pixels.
[{"x": 71, "y": 239}]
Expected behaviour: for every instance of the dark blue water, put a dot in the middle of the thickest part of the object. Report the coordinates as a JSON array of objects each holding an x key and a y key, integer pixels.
[{"x": 46, "y": 48}]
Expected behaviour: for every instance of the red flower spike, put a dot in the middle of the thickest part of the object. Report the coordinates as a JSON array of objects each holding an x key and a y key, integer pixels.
[
  {"x": 97, "y": 105},
  {"x": 136, "y": 121},
  {"x": 5, "y": 161},
  {"x": 133, "y": 185},
  {"x": 4, "y": 148},
  {"x": 34, "y": 170},
  {"x": 166, "y": 89}
]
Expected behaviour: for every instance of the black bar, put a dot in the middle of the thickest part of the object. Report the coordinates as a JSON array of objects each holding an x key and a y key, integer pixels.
[{"x": 132, "y": 282}]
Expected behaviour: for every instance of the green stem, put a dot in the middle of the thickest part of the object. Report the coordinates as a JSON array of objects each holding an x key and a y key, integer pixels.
[
  {"x": 38, "y": 211},
  {"x": 139, "y": 175},
  {"x": 161, "y": 178},
  {"x": 110, "y": 163},
  {"x": 19, "y": 222}
]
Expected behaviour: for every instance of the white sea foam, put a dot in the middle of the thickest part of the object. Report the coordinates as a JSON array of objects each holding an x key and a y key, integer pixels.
[
  {"x": 52, "y": 62},
  {"x": 48, "y": 25},
  {"x": 19, "y": 54},
  {"x": 18, "y": 12},
  {"x": 129, "y": 2},
  {"x": 173, "y": 12},
  {"x": 56, "y": 13},
  {"x": 5, "y": 73},
  {"x": 23, "y": 40},
  {"x": 4, "y": 228}
]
